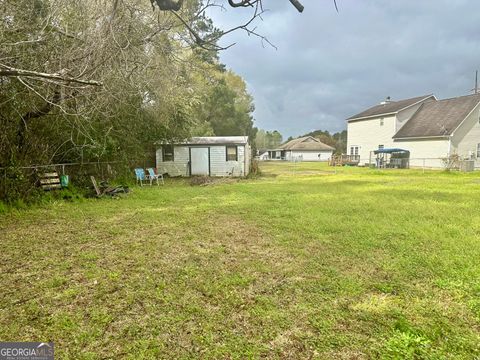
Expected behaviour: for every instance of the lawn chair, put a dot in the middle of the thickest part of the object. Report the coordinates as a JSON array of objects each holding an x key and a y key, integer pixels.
[
  {"x": 141, "y": 176},
  {"x": 152, "y": 175}
]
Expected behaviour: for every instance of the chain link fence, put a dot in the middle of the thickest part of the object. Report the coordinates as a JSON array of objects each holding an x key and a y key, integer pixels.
[
  {"x": 21, "y": 182},
  {"x": 432, "y": 163}
]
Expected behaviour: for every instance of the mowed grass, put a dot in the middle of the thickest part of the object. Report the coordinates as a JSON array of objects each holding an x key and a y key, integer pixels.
[{"x": 306, "y": 262}]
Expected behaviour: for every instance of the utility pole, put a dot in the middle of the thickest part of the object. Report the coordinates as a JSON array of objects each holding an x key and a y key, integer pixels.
[{"x": 475, "y": 89}]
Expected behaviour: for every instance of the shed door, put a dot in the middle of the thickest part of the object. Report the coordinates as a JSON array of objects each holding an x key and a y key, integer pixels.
[{"x": 199, "y": 161}]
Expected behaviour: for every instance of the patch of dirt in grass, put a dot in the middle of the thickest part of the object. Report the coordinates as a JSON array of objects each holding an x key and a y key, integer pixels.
[
  {"x": 207, "y": 180},
  {"x": 376, "y": 304}
]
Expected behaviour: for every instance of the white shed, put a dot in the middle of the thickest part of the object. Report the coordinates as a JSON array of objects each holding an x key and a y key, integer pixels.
[{"x": 205, "y": 156}]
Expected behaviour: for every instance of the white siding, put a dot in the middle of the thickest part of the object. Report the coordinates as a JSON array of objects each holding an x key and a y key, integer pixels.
[
  {"x": 425, "y": 152},
  {"x": 179, "y": 165},
  {"x": 248, "y": 155},
  {"x": 368, "y": 134},
  {"x": 219, "y": 166},
  {"x": 466, "y": 138},
  {"x": 309, "y": 155}
]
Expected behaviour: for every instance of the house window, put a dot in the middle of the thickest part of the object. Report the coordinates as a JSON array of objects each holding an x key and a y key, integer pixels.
[
  {"x": 381, "y": 121},
  {"x": 232, "y": 154},
  {"x": 167, "y": 151},
  {"x": 354, "y": 150},
  {"x": 478, "y": 151},
  {"x": 381, "y": 147}
]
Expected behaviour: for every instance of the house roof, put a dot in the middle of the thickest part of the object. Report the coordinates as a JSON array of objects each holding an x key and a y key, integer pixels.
[
  {"x": 390, "y": 107},
  {"x": 439, "y": 117},
  {"x": 211, "y": 140},
  {"x": 306, "y": 143}
]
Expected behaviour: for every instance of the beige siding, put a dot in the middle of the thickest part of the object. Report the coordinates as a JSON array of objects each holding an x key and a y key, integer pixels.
[
  {"x": 425, "y": 152},
  {"x": 466, "y": 138},
  {"x": 368, "y": 134},
  {"x": 179, "y": 165}
]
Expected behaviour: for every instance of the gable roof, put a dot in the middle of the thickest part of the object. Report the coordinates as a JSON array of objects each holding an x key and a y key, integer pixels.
[
  {"x": 306, "y": 143},
  {"x": 439, "y": 117},
  {"x": 210, "y": 140},
  {"x": 391, "y": 107}
]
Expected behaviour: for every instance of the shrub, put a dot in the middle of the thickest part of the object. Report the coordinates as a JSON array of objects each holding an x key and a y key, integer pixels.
[
  {"x": 451, "y": 162},
  {"x": 3, "y": 208}
]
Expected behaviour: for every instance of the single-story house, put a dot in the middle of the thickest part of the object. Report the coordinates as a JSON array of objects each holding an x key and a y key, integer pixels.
[
  {"x": 430, "y": 129},
  {"x": 275, "y": 154},
  {"x": 205, "y": 156},
  {"x": 262, "y": 154},
  {"x": 306, "y": 148}
]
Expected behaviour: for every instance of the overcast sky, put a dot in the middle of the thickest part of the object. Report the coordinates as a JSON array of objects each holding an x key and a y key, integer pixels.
[{"x": 331, "y": 65}]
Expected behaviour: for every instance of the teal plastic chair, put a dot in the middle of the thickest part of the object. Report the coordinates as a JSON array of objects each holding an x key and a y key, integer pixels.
[
  {"x": 140, "y": 176},
  {"x": 152, "y": 175}
]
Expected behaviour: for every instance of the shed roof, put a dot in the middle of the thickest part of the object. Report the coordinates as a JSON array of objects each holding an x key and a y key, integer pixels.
[
  {"x": 211, "y": 140},
  {"x": 390, "y": 107},
  {"x": 438, "y": 118},
  {"x": 308, "y": 143}
]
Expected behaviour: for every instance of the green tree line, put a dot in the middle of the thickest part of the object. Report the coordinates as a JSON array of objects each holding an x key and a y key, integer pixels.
[
  {"x": 338, "y": 140},
  {"x": 272, "y": 139},
  {"x": 92, "y": 80}
]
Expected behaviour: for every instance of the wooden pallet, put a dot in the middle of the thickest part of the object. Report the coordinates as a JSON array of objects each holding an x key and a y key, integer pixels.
[{"x": 49, "y": 181}]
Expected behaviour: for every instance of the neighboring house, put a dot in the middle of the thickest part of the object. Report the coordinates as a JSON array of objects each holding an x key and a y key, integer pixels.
[
  {"x": 262, "y": 154},
  {"x": 305, "y": 148},
  {"x": 275, "y": 154},
  {"x": 428, "y": 128},
  {"x": 205, "y": 156}
]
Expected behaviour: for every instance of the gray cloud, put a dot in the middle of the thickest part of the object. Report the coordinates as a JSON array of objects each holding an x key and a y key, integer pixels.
[{"x": 329, "y": 66}]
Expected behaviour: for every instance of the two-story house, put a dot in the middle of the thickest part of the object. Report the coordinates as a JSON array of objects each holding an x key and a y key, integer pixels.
[{"x": 428, "y": 128}]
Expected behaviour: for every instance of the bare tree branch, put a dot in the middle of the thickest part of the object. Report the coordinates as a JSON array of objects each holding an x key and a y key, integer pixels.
[
  {"x": 297, "y": 5},
  {"x": 14, "y": 72}
]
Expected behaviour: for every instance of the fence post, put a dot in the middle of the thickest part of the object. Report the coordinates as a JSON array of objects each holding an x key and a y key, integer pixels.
[{"x": 5, "y": 187}]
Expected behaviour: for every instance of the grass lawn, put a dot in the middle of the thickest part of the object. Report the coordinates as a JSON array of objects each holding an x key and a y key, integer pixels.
[{"x": 301, "y": 263}]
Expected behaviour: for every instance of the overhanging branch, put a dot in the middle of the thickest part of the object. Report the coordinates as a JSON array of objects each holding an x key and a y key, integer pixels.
[{"x": 14, "y": 72}]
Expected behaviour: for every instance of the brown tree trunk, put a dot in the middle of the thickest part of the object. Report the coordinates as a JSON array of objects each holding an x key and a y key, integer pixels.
[{"x": 26, "y": 118}]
